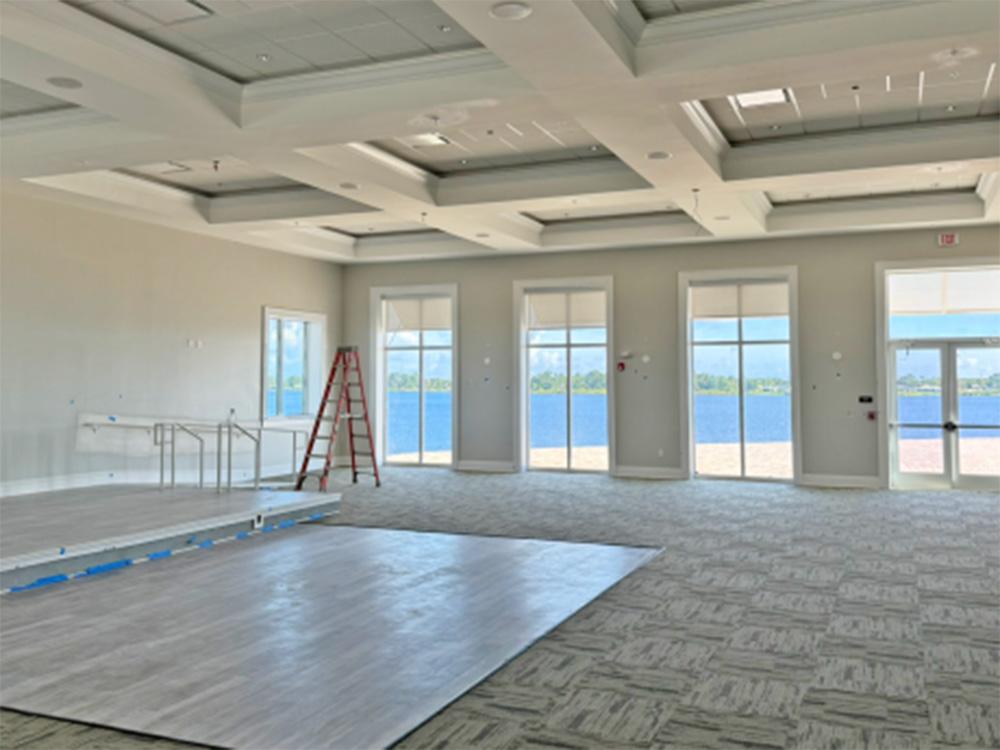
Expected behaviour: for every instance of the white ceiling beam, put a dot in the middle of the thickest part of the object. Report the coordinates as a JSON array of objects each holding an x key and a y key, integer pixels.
[
  {"x": 590, "y": 76},
  {"x": 122, "y": 75},
  {"x": 787, "y": 44},
  {"x": 625, "y": 231},
  {"x": 285, "y": 204},
  {"x": 877, "y": 212},
  {"x": 973, "y": 143},
  {"x": 988, "y": 191}
]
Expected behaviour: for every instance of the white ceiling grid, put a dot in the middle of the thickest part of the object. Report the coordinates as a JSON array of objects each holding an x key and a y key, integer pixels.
[{"x": 378, "y": 130}]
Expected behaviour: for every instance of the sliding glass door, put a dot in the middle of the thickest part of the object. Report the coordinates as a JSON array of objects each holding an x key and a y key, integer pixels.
[
  {"x": 566, "y": 355},
  {"x": 418, "y": 383},
  {"x": 741, "y": 379}
]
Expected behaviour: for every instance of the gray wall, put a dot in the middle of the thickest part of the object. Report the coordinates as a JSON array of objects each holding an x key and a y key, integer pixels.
[
  {"x": 836, "y": 313},
  {"x": 95, "y": 317}
]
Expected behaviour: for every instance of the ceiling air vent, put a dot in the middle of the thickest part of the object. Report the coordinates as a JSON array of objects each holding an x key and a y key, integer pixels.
[{"x": 168, "y": 12}]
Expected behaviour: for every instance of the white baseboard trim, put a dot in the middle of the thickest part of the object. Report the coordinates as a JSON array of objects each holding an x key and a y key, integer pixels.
[
  {"x": 840, "y": 481},
  {"x": 491, "y": 467},
  {"x": 648, "y": 472}
]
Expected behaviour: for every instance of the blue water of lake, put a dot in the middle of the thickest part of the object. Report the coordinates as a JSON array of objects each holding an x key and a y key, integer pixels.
[{"x": 716, "y": 418}]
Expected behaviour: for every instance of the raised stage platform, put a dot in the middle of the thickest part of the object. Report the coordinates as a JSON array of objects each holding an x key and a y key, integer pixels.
[{"x": 50, "y": 536}]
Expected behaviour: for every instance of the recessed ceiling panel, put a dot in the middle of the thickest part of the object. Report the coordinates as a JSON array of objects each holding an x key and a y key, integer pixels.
[
  {"x": 962, "y": 89},
  {"x": 502, "y": 144},
  {"x": 929, "y": 184},
  {"x": 576, "y": 212},
  {"x": 652, "y": 9},
  {"x": 17, "y": 100},
  {"x": 220, "y": 176},
  {"x": 249, "y": 40},
  {"x": 377, "y": 224}
]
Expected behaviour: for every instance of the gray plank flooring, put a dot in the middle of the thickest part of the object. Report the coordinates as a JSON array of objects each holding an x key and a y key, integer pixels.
[
  {"x": 65, "y": 518},
  {"x": 319, "y": 637}
]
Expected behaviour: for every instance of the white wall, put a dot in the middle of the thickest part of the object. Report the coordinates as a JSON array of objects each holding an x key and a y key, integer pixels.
[
  {"x": 95, "y": 315},
  {"x": 836, "y": 313}
]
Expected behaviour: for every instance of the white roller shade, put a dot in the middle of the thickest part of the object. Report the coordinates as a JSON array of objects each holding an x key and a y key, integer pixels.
[
  {"x": 402, "y": 314},
  {"x": 546, "y": 310},
  {"x": 437, "y": 314},
  {"x": 974, "y": 290},
  {"x": 588, "y": 310},
  {"x": 761, "y": 300},
  {"x": 715, "y": 301}
]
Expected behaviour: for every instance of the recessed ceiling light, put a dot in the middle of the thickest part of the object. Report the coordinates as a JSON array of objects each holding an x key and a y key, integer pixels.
[
  {"x": 762, "y": 98},
  {"x": 349, "y": 186},
  {"x": 264, "y": 57},
  {"x": 657, "y": 155},
  {"x": 510, "y": 11},
  {"x": 463, "y": 161},
  {"x": 595, "y": 148},
  {"x": 950, "y": 108},
  {"x": 64, "y": 82},
  {"x": 444, "y": 28},
  {"x": 775, "y": 127}
]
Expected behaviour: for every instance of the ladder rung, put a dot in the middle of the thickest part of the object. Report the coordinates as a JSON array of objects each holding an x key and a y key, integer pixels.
[
  {"x": 317, "y": 455},
  {"x": 361, "y": 453}
]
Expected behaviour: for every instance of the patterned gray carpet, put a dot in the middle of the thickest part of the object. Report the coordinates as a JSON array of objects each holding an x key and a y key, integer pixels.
[{"x": 777, "y": 617}]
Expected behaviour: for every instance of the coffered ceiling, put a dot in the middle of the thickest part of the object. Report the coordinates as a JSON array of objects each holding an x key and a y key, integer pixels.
[{"x": 377, "y": 130}]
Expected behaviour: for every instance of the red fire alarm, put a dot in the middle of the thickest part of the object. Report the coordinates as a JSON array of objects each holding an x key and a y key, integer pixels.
[
  {"x": 621, "y": 367},
  {"x": 948, "y": 239}
]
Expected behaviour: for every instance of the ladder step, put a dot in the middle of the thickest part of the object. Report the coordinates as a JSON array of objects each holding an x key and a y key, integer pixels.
[{"x": 317, "y": 455}]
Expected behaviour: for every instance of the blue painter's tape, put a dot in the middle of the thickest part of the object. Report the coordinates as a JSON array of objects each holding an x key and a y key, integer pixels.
[
  {"x": 105, "y": 568},
  {"x": 62, "y": 550},
  {"x": 286, "y": 523},
  {"x": 37, "y": 584},
  {"x": 316, "y": 516},
  {"x": 268, "y": 528},
  {"x": 159, "y": 555},
  {"x": 192, "y": 540},
  {"x": 243, "y": 535},
  {"x": 206, "y": 544}
]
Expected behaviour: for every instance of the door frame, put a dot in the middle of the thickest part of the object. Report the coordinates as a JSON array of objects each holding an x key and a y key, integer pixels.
[
  {"x": 883, "y": 383},
  {"x": 376, "y": 365},
  {"x": 685, "y": 280},
  {"x": 951, "y": 477},
  {"x": 521, "y": 379}
]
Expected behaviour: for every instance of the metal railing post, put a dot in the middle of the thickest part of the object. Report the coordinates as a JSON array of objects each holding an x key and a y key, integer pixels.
[
  {"x": 295, "y": 450},
  {"x": 256, "y": 460},
  {"x": 163, "y": 448},
  {"x": 173, "y": 456},
  {"x": 218, "y": 457},
  {"x": 229, "y": 459}
]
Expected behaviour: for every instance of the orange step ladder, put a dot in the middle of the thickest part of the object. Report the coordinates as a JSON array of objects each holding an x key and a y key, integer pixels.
[{"x": 351, "y": 404}]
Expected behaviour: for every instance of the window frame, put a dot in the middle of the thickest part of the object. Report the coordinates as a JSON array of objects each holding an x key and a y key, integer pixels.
[
  {"x": 377, "y": 364},
  {"x": 522, "y": 377},
  {"x": 685, "y": 281},
  {"x": 311, "y": 359}
]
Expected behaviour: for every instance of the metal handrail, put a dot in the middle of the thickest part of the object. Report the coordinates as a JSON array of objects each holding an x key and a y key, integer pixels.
[{"x": 160, "y": 428}]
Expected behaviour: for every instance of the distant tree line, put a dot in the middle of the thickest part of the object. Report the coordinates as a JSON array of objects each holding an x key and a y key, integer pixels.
[{"x": 913, "y": 385}]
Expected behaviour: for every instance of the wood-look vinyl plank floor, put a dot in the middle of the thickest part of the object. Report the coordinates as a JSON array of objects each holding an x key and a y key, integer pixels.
[
  {"x": 319, "y": 637},
  {"x": 65, "y": 518}
]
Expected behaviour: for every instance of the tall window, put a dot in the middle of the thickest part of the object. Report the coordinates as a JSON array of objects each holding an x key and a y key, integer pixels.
[
  {"x": 293, "y": 372},
  {"x": 741, "y": 379},
  {"x": 566, "y": 346},
  {"x": 418, "y": 379},
  {"x": 944, "y": 362}
]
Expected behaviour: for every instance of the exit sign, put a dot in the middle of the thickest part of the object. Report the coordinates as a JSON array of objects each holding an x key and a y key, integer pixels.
[{"x": 947, "y": 239}]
